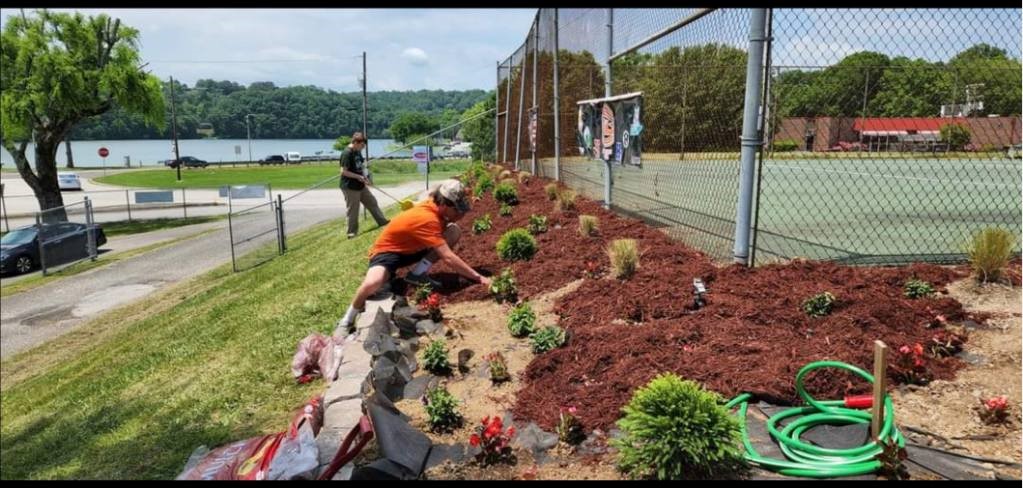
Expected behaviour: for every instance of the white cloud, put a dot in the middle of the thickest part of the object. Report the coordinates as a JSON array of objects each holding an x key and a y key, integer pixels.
[{"x": 415, "y": 56}]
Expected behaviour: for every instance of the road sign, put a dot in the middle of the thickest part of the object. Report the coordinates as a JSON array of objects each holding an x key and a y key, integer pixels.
[
  {"x": 237, "y": 150},
  {"x": 103, "y": 152}
]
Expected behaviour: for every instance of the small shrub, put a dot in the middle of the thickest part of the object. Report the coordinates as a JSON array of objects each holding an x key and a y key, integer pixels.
[
  {"x": 494, "y": 442},
  {"x": 945, "y": 343},
  {"x": 588, "y": 225},
  {"x": 482, "y": 224},
  {"x": 537, "y": 224},
  {"x": 819, "y": 305},
  {"x": 524, "y": 176},
  {"x": 917, "y": 288},
  {"x": 784, "y": 145},
  {"x": 989, "y": 252},
  {"x": 624, "y": 255},
  {"x": 485, "y": 184},
  {"x": 994, "y": 410},
  {"x": 552, "y": 191},
  {"x": 565, "y": 201},
  {"x": 504, "y": 174},
  {"x": 473, "y": 174},
  {"x": 547, "y": 338},
  {"x": 503, "y": 287},
  {"x": 516, "y": 245},
  {"x": 521, "y": 320},
  {"x": 505, "y": 210},
  {"x": 441, "y": 410},
  {"x": 506, "y": 194},
  {"x": 422, "y": 293},
  {"x": 498, "y": 367},
  {"x": 435, "y": 357},
  {"x": 908, "y": 366},
  {"x": 570, "y": 430},
  {"x": 674, "y": 429},
  {"x": 955, "y": 135}
]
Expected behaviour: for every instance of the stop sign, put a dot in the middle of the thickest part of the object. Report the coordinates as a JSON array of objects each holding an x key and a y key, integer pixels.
[{"x": 103, "y": 152}]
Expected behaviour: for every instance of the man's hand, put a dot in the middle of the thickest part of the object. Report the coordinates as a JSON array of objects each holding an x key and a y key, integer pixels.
[{"x": 485, "y": 281}]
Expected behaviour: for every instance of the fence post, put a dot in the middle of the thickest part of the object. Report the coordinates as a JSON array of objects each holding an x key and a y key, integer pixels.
[
  {"x": 497, "y": 110},
  {"x": 39, "y": 239},
  {"x": 607, "y": 93},
  {"x": 90, "y": 230},
  {"x": 230, "y": 229},
  {"x": 281, "y": 245},
  {"x": 750, "y": 135},
  {"x": 557, "y": 106},
  {"x": 3, "y": 207},
  {"x": 184, "y": 204},
  {"x": 127, "y": 200},
  {"x": 522, "y": 102},
  {"x": 535, "y": 112},
  {"x": 507, "y": 109}
]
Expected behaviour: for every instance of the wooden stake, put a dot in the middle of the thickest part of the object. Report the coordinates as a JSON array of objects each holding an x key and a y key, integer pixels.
[{"x": 880, "y": 386}]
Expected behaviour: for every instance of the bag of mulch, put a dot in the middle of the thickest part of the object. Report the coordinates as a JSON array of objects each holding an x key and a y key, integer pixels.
[
  {"x": 283, "y": 456},
  {"x": 317, "y": 355}
]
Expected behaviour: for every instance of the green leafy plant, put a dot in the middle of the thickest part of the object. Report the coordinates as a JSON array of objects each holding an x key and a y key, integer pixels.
[
  {"x": 989, "y": 252},
  {"x": 483, "y": 185},
  {"x": 435, "y": 357},
  {"x": 516, "y": 245},
  {"x": 422, "y": 293},
  {"x": 565, "y": 201},
  {"x": 552, "y": 191},
  {"x": 915, "y": 288},
  {"x": 624, "y": 255},
  {"x": 482, "y": 224},
  {"x": 819, "y": 305},
  {"x": 784, "y": 145},
  {"x": 674, "y": 429},
  {"x": 503, "y": 287},
  {"x": 537, "y": 224},
  {"x": 441, "y": 410},
  {"x": 505, "y": 210},
  {"x": 521, "y": 320},
  {"x": 498, "y": 367},
  {"x": 570, "y": 429},
  {"x": 547, "y": 338},
  {"x": 506, "y": 194},
  {"x": 588, "y": 225},
  {"x": 955, "y": 135}
]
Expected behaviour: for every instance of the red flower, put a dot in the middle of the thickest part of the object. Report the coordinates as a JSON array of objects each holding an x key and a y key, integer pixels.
[
  {"x": 511, "y": 431},
  {"x": 474, "y": 440},
  {"x": 918, "y": 350},
  {"x": 996, "y": 403}
]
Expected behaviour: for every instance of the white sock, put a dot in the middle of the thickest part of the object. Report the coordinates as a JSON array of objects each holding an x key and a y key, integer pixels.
[
  {"x": 349, "y": 317},
  {"x": 422, "y": 268}
]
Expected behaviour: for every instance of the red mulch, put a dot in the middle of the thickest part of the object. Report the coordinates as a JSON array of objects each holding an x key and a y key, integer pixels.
[{"x": 751, "y": 337}]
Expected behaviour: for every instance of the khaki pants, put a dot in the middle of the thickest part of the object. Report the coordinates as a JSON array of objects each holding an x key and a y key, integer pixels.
[{"x": 353, "y": 198}]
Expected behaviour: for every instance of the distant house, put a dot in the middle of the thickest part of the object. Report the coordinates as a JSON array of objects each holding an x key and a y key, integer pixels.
[
  {"x": 205, "y": 129},
  {"x": 894, "y": 133}
]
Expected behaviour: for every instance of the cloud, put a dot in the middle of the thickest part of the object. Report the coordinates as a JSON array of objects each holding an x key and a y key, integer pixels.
[{"x": 415, "y": 56}]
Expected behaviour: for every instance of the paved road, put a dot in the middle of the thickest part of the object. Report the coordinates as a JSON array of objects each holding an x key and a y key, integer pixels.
[{"x": 32, "y": 317}]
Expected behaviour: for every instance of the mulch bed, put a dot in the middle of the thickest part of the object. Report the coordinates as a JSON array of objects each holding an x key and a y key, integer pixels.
[{"x": 751, "y": 337}]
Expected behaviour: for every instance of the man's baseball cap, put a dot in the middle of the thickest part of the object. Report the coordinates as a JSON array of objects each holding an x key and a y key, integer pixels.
[{"x": 453, "y": 191}]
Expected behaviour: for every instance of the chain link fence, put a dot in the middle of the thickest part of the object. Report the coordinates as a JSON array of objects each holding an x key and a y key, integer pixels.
[
  {"x": 887, "y": 136},
  {"x": 64, "y": 235}
]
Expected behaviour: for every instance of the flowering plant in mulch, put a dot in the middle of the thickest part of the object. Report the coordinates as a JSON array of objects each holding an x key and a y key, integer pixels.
[
  {"x": 908, "y": 366},
  {"x": 498, "y": 367},
  {"x": 946, "y": 343},
  {"x": 570, "y": 429},
  {"x": 994, "y": 410},
  {"x": 432, "y": 305},
  {"x": 591, "y": 269},
  {"x": 422, "y": 293},
  {"x": 494, "y": 442}
]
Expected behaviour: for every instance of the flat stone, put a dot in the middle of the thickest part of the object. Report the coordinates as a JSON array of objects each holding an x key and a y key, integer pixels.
[
  {"x": 343, "y": 415},
  {"x": 534, "y": 438},
  {"x": 344, "y": 389},
  {"x": 428, "y": 326},
  {"x": 416, "y": 388}
]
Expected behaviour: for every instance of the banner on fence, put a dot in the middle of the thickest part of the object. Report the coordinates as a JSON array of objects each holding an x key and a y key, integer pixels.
[
  {"x": 244, "y": 191},
  {"x": 421, "y": 155},
  {"x": 610, "y": 129},
  {"x": 154, "y": 196}
]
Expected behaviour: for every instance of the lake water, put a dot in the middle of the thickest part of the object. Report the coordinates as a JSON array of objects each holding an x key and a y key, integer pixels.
[{"x": 153, "y": 151}]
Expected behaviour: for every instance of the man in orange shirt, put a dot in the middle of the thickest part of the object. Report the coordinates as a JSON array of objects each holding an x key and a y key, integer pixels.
[{"x": 424, "y": 234}]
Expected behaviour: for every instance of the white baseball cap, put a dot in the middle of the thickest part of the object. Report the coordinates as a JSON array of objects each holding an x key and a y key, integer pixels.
[{"x": 453, "y": 191}]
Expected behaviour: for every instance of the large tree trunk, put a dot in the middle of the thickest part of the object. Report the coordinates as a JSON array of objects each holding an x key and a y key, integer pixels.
[
  {"x": 46, "y": 189},
  {"x": 67, "y": 147}
]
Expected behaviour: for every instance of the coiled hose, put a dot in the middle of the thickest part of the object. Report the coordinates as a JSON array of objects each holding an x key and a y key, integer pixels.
[{"x": 811, "y": 461}]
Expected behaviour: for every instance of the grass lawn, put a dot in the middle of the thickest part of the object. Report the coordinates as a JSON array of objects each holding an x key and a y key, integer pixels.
[
  {"x": 123, "y": 227},
  {"x": 132, "y": 393},
  {"x": 279, "y": 177}
]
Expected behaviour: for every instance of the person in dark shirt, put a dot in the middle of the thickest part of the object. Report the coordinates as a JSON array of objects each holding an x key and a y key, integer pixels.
[{"x": 353, "y": 185}]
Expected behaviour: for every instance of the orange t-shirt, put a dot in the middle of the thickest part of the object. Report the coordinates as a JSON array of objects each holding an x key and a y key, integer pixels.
[{"x": 420, "y": 227}]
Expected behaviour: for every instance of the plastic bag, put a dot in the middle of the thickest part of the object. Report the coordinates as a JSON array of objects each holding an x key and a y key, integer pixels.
[
  {"x": 317, "y": 355},
  {"x": 286, "y": 455}
]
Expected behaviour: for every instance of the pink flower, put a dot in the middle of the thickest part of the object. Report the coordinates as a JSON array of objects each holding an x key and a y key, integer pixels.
[
  {"x": 572, "y": 410},
  {"x": 904, "y": 350}
]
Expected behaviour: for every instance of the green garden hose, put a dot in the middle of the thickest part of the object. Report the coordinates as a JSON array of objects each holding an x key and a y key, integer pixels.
[{"x": 811, "y": 461}]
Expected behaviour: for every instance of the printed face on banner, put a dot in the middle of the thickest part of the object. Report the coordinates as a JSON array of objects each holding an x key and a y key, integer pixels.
[{"x": 611, "y": 131}]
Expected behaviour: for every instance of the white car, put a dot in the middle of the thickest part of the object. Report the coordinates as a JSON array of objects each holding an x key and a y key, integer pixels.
[{"x": 69, "y": 181}]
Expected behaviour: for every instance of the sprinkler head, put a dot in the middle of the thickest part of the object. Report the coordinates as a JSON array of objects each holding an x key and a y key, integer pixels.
[{"x": 699, "y": 290}]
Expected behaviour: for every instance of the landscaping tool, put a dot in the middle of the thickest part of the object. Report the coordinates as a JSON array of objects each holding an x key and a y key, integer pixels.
[
  {"x": 404, "y": 203},
  {"x": 809, "y": 460}
]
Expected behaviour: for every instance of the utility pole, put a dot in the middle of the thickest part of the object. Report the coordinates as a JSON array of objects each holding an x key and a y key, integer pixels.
[
  {"x": 365, "y": 131},
  {"x": 248, "y": 135},
  {"x": 174, "y": 129}
]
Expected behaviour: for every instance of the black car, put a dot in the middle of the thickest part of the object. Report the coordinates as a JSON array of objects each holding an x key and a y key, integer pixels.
[
  {"x": 65, "y": 242},
  {"x": 189, "y": 161},
  {"x": 272, "y": 159}
]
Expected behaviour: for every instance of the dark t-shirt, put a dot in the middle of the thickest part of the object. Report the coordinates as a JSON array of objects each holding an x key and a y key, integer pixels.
[{"x": 353, "y": 161}]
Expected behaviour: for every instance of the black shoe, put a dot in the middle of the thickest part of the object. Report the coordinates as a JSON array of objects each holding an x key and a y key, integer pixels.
[{"x": 417, "y": 280}]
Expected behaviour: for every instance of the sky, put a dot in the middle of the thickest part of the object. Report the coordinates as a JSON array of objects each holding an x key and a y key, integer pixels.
[{"x": 406, "y": 49}]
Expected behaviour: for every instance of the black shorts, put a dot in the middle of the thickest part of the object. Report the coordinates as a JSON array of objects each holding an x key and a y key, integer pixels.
[{"x": 392, "y": 261}]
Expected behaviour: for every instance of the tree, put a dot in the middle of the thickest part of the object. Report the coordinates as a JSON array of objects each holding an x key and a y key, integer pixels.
[
  {"x": 449, "y": 117},
  {"x": 996, "y": 77},
  {"x": 57, "y": 69},
  {"x": 956, "y": 135},
  {"x": 411, "y": 123},
  {"x": 480, "y": 129},
  {"x": 911, "y": 88},
  {"x": 342, "y": 142}
]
